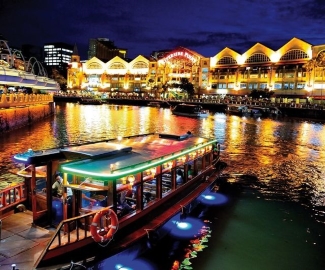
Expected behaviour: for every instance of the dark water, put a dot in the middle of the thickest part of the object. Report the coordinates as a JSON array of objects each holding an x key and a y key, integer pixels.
[{"x": 274, "y": 213}]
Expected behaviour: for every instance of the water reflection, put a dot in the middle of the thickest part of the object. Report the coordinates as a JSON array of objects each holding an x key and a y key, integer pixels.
[{"x": 282, "y": 159}]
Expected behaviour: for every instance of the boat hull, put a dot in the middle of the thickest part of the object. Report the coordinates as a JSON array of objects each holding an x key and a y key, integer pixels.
[{"x": 132, "y": 229}]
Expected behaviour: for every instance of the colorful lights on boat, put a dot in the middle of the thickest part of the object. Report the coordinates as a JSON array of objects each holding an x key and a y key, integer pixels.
[
  {"x": 134, "y": 169},
  {"x": 131, "y": 179}
]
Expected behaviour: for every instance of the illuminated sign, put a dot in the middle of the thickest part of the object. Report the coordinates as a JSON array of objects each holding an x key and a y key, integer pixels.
[{"x": 184, "y": 54}]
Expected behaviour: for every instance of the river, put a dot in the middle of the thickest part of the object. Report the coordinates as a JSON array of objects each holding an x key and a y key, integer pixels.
[{"x": 274, "y": 215}]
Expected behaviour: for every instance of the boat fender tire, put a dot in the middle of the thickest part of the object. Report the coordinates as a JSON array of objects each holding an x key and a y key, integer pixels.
[
  {"x": 20, "y": 208},
  {"x": 111, "y": 229}
]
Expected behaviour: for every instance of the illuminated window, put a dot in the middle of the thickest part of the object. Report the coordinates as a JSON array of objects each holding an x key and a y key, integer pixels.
[{"x": 294, "y": 54}]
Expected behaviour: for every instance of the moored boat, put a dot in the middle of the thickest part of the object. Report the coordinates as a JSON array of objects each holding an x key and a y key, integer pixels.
[
  {"x": 237, "y": 109},
  {"x": 259, "y": 111},
  {"x": 189, "y": 110},
  {"x": 134, "y": 183},
  {"x": 154, "y": 104},
  {"x": 90, "y": 101}
]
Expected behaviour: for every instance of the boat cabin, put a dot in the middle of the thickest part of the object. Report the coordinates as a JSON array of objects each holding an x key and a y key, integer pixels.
[{"x": 126, "y": 174}]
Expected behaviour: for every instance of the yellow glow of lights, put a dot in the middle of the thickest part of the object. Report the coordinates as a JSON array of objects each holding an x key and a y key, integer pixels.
[
  {"x": 153, "y": 171},
  {"x": 123, "y": 179},
  {"x": 131, "y": 179},
  {"x": 275, "y": 57}
]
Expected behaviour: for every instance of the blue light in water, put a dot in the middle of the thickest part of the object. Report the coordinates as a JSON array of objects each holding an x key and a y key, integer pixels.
[
  {"x": 183, "y": 225},
  {"x": 211, "y": 198},
  {"x": 124, "y": 261},
  {"x": 184, "y": 228}
]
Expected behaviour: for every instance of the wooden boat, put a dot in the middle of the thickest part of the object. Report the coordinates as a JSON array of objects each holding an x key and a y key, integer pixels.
[
  {"x": 154, "y": 104},
  {"x": 237, "y": 110},
  {"x": 90, "y": 101},
  {"x": 189, "y": 110},
  {"x": 140, "y": 169},
  {"x": 258, "y": 111}
]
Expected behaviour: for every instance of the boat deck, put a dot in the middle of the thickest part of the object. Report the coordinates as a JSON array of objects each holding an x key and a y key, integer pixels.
[{"x": 21, "y": 242}]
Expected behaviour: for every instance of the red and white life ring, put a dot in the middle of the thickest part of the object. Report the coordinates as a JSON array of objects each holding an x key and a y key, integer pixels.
[{"x": 111, "y": 230}]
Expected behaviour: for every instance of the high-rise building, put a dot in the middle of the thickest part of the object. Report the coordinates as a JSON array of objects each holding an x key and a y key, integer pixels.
[
  {"x": 104, "y": 49},
  {"x": 57, "y": 54}
]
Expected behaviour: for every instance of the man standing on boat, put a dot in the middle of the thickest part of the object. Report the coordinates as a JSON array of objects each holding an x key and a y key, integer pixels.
[{"x": 57, "y": 187}]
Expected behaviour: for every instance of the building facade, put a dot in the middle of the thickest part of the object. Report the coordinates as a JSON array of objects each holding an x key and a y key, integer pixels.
[
  {"x": 57, "y": 55},
  {"x": 294, "y": 70},
  {"x": 104, "y": 49}
]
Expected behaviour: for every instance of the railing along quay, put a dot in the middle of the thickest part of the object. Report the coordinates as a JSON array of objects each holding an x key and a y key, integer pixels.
[{"x": 21, "y": 99}]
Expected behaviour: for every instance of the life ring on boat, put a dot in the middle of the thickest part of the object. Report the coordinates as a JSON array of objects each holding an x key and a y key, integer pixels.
[{"x": 111, "y": 230}]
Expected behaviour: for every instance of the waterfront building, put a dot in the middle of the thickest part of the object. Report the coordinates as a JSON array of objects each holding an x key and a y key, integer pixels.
[
  {"x": 104, "y": 49},
  {"x": 57, "y": 55},
  {"x": 294, "y": 70}
]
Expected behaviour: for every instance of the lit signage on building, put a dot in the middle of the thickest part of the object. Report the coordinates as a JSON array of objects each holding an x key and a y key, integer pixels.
[{"x": 180, "y": 54}]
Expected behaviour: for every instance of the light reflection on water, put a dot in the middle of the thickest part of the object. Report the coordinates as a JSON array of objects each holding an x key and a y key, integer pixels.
[{"x": 286, "y": 157}]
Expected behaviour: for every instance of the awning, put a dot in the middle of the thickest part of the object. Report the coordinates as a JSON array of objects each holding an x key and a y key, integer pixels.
[{"x": 27, "y": 172}]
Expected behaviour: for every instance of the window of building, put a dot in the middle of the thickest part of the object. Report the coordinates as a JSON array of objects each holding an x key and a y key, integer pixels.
[
  {"x": 257, "y": 58},
  {"x": 294, "y": 55},
  {"x": 243, "y": 85},
  {"x": 300, "y": 85},
  {"x": 290, "y": 75},
  {"x": 117, "y": 66},
  {"x": 319, "y": 86},
  {"x": 278, "y": 86},
  {"x": 231, "y": 85},
  {"x": 227, "y": 60},
  {"x": 140, "y": 64},
  {"x": 222, "y": 86},
  {"x": 263, "y": 85},
  {"x": 252, "y": 86}
]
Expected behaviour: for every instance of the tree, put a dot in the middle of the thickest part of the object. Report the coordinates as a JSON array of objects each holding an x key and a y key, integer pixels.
[
  {"x": 151, "y": 84},
  {"x": 185, "y": 86},
  {"x": 59, "y": 79}
]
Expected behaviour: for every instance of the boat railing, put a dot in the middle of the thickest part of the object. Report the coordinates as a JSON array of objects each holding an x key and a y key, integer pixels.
[
  {"x": 21, "y": 99},
  {"x": 70, "y": 231}
]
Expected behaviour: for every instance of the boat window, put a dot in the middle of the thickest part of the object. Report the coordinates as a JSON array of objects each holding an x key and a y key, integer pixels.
[
  {"x": 180, "y": 178},
  {"x": 91, "y": 194},
  {"x": 126, "y": 202},
  {"x": 199, "y": 165},
  {"x": 149, "y": 186},
  {"x": 166, "y": 179}
]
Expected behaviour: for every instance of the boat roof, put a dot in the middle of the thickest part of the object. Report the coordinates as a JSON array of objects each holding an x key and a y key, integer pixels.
[
  {"x": 116, "y": 158},
  {"x": 132, "y": 155}
]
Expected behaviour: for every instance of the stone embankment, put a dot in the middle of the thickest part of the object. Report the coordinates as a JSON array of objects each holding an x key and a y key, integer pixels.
[{"x": 18, "y": 110}]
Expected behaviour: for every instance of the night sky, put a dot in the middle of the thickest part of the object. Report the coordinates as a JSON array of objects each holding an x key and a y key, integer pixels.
[{"x": 142, "y": 26}]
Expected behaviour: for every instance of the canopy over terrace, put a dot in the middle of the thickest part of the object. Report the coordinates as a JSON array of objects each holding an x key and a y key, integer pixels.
[
  {"x": 20, "y": 78},
  {"x": 114, "y": 160}
]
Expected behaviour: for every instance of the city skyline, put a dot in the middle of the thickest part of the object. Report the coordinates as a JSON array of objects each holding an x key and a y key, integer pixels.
[{"x": 142, "y": 27}]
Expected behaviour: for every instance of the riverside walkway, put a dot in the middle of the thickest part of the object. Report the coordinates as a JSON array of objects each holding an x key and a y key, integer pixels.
[
  {"x": 20, "y": 99},
  {"x": 291, "y": 107}
]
